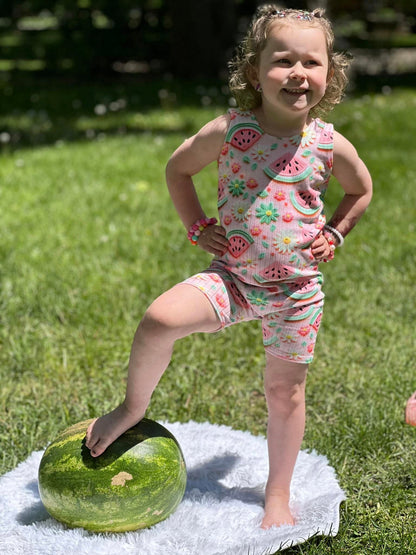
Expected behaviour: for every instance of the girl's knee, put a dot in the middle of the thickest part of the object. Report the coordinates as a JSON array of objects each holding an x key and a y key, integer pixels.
[
  {"x": 283, "y": 392},
  {"x": 157, "y": 320},
  {"x": 284, "y": 385},
  {"x": 284, "y": 399}
]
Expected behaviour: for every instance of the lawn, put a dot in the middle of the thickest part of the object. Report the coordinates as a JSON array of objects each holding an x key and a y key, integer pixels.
[{"x": 89, "y": 238}]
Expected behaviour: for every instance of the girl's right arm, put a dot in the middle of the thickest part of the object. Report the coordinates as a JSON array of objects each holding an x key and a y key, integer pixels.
[{"x": 189, "y": 159}]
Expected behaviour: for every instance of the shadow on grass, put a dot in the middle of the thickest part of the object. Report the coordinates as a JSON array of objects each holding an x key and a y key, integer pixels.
[
  {"x": 39, "y": 110},
  {"x": 42, "y": 110}
]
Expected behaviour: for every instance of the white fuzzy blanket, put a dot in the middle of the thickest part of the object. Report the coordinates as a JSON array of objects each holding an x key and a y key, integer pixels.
[{"x": 220, "y": 514}]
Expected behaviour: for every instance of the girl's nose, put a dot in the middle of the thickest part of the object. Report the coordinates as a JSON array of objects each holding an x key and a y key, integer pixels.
[{"x": 297, "y": 72}]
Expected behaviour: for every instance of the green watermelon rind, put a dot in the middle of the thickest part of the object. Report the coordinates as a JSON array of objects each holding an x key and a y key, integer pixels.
[
  {"x": 261, "y": 279},
  {"x": 326, "y": 146},
  {"x": 239, "y": 127},
  {"x": 76, "y": 488},
  {"x": 299, "y": 296},
  {"x": 314, "y": 318},
  {"x": 299, "y": 317},
  {"x": 305, "y": 211},
  {"x": 237, "y": 232},
  {"x": 270, "y": 341}
]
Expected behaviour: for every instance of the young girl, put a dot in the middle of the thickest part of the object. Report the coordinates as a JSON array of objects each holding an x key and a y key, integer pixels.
[{"x": 275, "y": 158}]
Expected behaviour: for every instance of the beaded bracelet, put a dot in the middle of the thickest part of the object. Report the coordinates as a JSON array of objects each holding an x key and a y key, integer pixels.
[
  {"x": 195, "y": 230},
  {"x": 335, "y": 233}
]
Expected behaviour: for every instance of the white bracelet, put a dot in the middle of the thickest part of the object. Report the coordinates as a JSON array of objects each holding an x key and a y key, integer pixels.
[{"x": 336, "y": 234}]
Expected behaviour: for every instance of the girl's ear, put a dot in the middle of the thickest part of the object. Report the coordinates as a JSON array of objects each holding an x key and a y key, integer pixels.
[{"x": 252, "y": 76}]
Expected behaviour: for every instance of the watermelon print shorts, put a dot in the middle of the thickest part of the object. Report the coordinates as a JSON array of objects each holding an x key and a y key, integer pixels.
[{"x": 290, "y": 311}]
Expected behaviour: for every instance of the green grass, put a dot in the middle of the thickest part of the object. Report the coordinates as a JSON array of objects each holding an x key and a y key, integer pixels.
[{"x": 89, "y": 238}]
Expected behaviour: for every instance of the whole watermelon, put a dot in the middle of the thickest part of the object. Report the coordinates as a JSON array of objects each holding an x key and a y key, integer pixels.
[{"x": 138, "y": 481}]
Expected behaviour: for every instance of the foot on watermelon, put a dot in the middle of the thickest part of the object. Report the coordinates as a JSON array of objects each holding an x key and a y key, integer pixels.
[
  {"x": 276, "y": 511},
  {"x": 103, "y": 431}
]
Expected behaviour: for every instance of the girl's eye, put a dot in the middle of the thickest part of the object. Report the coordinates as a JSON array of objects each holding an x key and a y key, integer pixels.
[
  {"x": 312, "y": 63},
  {"x": 283, "y": 61}
]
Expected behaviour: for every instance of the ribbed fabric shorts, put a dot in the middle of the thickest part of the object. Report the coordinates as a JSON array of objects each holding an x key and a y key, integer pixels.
[{"x": 290, "y": 311}]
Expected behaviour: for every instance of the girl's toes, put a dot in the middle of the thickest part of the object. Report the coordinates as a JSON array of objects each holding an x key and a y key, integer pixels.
[{"x": 89, "y": 436}]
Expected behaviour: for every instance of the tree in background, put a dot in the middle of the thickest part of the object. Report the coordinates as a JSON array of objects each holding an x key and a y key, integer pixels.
[{"x": 188, "y": 38}]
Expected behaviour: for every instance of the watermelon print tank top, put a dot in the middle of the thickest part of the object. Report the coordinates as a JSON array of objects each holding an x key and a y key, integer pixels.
[{"x": 270, "y": 199}]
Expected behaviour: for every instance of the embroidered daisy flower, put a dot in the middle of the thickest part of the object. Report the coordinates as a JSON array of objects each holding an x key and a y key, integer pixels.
[
  {"x": 235, "y": 167},
  {"x": 258, "y": 298},
  {"x": 224, "y": 150},
  {"x": 227, "y": 219},
  {"x": 306, "y": 138},
  {"x": 287, "y": 338},
  {"x": 249, "y": 263},
  {"x": 285, "y": 241},
  {"x": 252, "y": 183},
  {"x": 259, "y": 153},
  {"x": 267, "y": 213},
  {"x": 319, "y": 167},
  {"x": 236, "y": 187},
  {"x": 240, "y": 213}
]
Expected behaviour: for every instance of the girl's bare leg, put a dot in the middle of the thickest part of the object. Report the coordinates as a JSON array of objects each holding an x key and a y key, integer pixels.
[
  {"x": 177, "y": 313},
  {"x": 285, "y": 394}
]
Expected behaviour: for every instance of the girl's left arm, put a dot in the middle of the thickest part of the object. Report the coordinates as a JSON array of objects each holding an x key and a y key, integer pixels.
[{"x": 355, "y": 179}]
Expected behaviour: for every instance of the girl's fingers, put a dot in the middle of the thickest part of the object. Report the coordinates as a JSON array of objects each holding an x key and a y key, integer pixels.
[{"x": 214, "y": 240}]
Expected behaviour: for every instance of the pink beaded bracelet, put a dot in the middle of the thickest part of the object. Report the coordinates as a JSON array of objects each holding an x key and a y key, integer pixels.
[{"x": 195, "y": 230}]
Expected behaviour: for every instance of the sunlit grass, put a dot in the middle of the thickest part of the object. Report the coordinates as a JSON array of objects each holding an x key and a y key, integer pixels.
[{"x": 89, "y": 238}]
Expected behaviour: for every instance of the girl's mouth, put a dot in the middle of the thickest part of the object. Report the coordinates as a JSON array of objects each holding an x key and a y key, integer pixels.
[{"x": 295, "y": 92}]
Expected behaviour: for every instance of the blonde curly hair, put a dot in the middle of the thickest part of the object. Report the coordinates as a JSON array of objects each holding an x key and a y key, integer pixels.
[{"x": 249, "y": 50}]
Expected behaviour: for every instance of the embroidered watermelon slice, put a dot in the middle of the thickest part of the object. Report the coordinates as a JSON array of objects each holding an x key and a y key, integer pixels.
[
  {"x": 288, "y": 169},
  {"x": 326, "y": 141},
  {"x": 306, "y": 202},
  {"x": 308, "y": 236},
  {"x": 302, "y": 289},
  {"x": 300, "y": 314},
  {"x": 239, "y": 242},
  {"x": 244, "y": 135},
  {"x": 237, "y": 295},
  {"x": 316, "y": 320},
  {"x": 269, "y": 337},
  {"x": 276, "y": 272},
  {"x": 222, "y": 199}
]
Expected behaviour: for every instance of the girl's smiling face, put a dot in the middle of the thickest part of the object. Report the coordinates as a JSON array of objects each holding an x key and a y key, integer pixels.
[{"x": 293, "y": 68}]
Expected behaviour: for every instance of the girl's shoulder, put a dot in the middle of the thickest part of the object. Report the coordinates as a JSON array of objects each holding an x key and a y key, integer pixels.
[
  {"x": 343, "y": 148},
  {"x": 215, "y": 128}
]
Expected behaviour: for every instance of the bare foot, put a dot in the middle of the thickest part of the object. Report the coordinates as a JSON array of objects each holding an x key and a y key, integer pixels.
[
  {"x": 103, "y": 431},
  {"x": 276, "y": 511}
]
